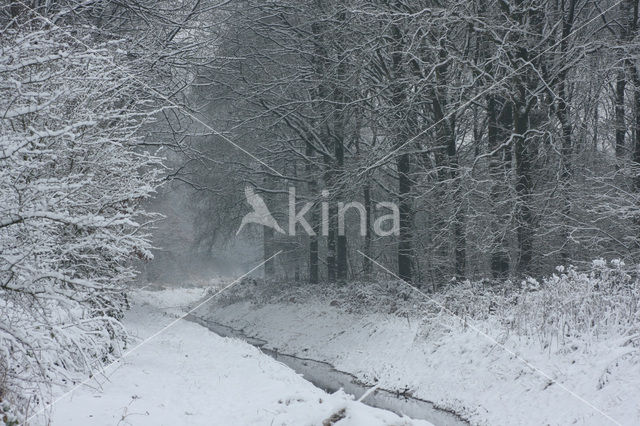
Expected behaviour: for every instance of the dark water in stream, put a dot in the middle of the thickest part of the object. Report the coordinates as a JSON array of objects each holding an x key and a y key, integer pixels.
[{"x": 326, "y": 377}]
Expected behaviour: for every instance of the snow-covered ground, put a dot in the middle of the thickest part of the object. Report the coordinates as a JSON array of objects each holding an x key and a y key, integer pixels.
[
  {"x": 190, "y": 376},
  {"x": 453, "y": 366}
]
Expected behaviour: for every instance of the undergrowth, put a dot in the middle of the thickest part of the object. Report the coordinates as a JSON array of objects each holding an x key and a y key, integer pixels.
[{"x": 569, "y": 306}]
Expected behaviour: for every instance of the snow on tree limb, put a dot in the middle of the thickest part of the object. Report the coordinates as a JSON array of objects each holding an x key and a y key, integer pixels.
[{"x": 72, "y": 178}]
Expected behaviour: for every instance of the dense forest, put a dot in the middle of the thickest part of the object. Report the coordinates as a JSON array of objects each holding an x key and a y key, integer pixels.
[{"x": 507, "y": 133}]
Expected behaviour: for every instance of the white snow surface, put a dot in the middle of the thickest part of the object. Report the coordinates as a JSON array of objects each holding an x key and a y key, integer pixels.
[
  {"x": 455, "y": 367},
  {"x": 188, "y": 375}
]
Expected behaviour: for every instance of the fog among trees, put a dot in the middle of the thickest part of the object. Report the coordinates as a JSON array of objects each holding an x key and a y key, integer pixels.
[{"x": 504, "y": 131}]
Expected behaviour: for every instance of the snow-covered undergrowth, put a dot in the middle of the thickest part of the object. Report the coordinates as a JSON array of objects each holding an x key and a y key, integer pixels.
[
  {"x": 568, "y": 342},
  {"x": 72, "y": 177},
  {"x": 571, "y": 308},
  {"x": 602, "y": 301}
]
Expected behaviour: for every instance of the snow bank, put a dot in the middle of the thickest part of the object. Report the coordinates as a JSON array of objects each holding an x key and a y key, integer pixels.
[
  {"x": 560, "y": 351},
  {"x": 188, "y": 375}
]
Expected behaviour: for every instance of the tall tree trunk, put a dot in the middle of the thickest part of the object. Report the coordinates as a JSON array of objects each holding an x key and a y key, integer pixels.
[
  {"x": 323, "y": 107},
  {"x": 631, "y": 10},
  {"x": 267, "y": 245},
  {"x": 338, "y": 145},
  {"x": 564, "y": 116},
  {"x": 333, "y": 223},
  {"x": 366, "y": 262},
  {"x": 459, "y": 238},
  {"x": 621, "y": 83},
  {"x": 459, "y": 235},
  {"x": 500, "y": 120},
  {"x": 629, "y": 14},
  {"x": 524, "y": 186},
  {"x": 632, "y": 14},
  {"x": 447, "y": 137},
  {"x": 403, "y": 161},
  {"x": 405, "y": 246},
  {"x": 366, "y": 193},
  {"x": 636, "y": 149},
  {"x": 268, "y": 238},
  {"x": 313, "y": 249},
  {"x": 313, "y": 194},
  {"x": 635, "y": 77}
]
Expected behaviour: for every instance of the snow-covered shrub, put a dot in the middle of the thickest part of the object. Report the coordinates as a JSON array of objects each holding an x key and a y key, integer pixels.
[
  {"x": 7, "y": 416},
  {"x": 72, "y": 177},
  {"x": 603, "y": 300}
]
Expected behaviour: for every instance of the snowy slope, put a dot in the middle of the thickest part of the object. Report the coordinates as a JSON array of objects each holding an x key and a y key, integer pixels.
[
  {"x": 455, "y": 367},
  {"x": 190, "y": 376}
]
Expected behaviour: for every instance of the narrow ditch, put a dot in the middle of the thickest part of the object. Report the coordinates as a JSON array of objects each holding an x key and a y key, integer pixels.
[{"x": 324, "y": 376}]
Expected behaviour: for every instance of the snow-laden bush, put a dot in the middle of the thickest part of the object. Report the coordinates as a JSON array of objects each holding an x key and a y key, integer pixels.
[
  {"x": 72, "y": 176},
  {"x": 601, "y": 300}
]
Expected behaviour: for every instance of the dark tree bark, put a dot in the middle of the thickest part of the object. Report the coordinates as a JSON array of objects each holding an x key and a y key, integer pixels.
[
  {"x": 268, "y": 246},
  {"x": 636, "y": 149},
  {"x": 563, "y": 113},
  {"x": 313, "y": 194},
  {"x": 631, "y": 9},
  {"x": 405, "y": 246},
  {"x": 621, "y": 84},
  {"x": 323, "y": 95},
  {"x": 500, "y": 123},
  {"x": 403, "y": 161},
  {"x": 333, "y": 224},
  {"x": 366, "y": 193},
  {"x": 531, "y": 19},
  {"x": 366, "y": 262},
  {"x": 338, "y": 151},
  {"x": 524, "y": 186},
  {"x": 446, "y": 137},
  {"x": 635, "y": 77}
]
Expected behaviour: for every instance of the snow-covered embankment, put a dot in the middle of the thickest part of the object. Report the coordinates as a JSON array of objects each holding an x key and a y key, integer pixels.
[{"x": 190, "y": 376}]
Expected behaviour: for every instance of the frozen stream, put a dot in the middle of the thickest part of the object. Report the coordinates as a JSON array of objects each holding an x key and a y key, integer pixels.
[{"x": 326, "y": 377}]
